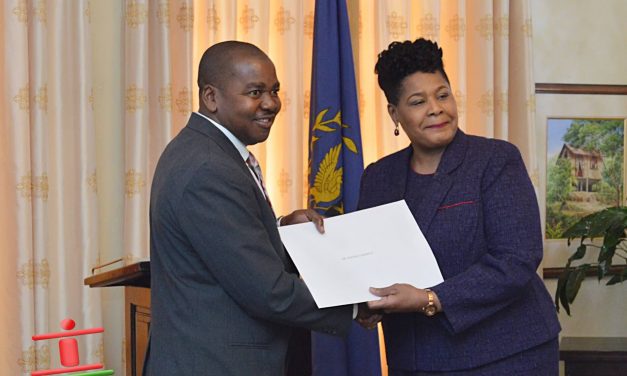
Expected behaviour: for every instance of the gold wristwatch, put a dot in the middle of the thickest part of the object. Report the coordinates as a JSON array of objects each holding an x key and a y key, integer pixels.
[{"x": 430, "y": 309}]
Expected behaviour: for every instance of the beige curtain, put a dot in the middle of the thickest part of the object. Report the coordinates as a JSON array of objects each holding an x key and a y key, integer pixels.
[
  {"x": 48, "y": 224},
  {"x": 164, "y": 41},
  {"x": 157, "y": 101},
  {"x": 49, "y": 231}
]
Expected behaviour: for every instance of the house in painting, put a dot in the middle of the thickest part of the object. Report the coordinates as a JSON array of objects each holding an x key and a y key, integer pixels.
[{"x": 586, "y": 166}]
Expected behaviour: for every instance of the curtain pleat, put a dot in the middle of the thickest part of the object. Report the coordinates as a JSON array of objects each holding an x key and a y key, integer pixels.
[{"x": 52, "y": 178}]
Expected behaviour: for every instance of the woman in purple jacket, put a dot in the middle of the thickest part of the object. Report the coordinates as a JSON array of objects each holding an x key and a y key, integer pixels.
[{"x": 473, "y": 199}]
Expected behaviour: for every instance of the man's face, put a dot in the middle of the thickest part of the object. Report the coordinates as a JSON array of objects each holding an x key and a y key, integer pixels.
[{"x": 247, "y": 100}]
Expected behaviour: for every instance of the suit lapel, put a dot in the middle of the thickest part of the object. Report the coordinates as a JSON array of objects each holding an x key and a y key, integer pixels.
[
  {"x": 432, "y": 200},
  {"x": 426, "y": 206},
  {"x": 397, "y": 176},
  {"x": 442, "y": 181},
  {"x": 202, "y": 125}
]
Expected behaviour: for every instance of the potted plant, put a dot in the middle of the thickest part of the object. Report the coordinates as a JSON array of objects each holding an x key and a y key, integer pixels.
[{"x": 610, "y": 224}]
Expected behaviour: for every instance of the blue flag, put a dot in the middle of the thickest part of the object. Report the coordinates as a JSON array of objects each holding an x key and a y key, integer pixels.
[{"x": 335, "y": 168}]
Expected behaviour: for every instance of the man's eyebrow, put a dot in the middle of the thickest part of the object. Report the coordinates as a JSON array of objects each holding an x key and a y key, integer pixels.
[{"x": 260, "y": 85}]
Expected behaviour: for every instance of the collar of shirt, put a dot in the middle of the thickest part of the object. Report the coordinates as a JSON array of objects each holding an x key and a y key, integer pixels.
[{"x": 241, "y": 148}]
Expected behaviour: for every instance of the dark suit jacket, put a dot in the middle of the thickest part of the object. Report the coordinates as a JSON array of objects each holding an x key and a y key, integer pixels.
[
  {"x": 481, "y": 219},
  {"x": 224, "y": 292}
]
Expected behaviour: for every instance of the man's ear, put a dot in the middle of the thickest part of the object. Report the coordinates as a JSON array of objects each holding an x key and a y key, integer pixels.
[
  {"x": 208, "y": 98},
  {"x": 392, "y": 112}
]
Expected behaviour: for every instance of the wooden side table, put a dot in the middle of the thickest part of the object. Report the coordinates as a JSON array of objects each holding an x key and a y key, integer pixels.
[{"x": 594, "y": 356}]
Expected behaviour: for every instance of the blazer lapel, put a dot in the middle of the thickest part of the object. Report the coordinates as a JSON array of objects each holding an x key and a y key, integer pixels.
[
  {"x": 202, "y": 125},
  {"x": 427, "y": 205},
  {"x": 432, "y": 200},
  {"x": 387, "y": 183}
]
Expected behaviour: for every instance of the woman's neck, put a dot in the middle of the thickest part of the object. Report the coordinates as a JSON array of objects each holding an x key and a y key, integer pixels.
[{"x": 425, "y": 162}]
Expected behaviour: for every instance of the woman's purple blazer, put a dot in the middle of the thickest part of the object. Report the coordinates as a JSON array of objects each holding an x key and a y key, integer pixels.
[{"x": 480, "y": 216}]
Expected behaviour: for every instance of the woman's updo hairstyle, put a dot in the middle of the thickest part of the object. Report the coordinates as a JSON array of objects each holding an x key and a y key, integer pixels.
[{"x": 402, "y": 59}]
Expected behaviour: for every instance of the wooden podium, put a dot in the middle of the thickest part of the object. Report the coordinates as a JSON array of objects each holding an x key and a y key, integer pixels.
[{"x": 136, "y": 281}]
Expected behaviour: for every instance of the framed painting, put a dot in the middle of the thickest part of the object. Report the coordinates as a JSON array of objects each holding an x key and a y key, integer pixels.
[
  {"x": 584, "y": 169},
  {"x": 580, "y": 143}
]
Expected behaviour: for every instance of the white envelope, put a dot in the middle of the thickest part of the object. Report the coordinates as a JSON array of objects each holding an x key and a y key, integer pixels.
[{"x": 375, "y": 247}]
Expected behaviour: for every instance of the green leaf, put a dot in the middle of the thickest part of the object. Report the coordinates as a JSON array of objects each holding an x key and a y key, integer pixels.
[
  {"x": 580, "y": 228},
  {"x": 618, "y": 278},
  {"x": 573, "y": 284},
  {"x": 605, "y": 260},
  {"x": 614, "y": 235},
  {"x": 610, "y": 224},
  {"x": 603, "y": 252},
  {"x": 606, "y": 265},
  {"x": 605, "y": 219},
  {"x": 579, "y": 254},
  {"x": 595, "y": 224},
  {"x": 560, "y": 292},
  {"x": 601, "y": 271}
]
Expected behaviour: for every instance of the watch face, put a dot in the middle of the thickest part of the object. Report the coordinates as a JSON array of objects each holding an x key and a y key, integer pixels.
[{"x": 430, "y": 310}]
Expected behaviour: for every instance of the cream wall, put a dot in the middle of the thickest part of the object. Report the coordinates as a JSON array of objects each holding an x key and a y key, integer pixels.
[{"x": 581, "y": 42}]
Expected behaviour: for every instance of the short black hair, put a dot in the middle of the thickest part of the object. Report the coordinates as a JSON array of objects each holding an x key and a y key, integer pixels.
[
  {"x": 216, "y": 62},
  {"x": 402, "y": 59}
]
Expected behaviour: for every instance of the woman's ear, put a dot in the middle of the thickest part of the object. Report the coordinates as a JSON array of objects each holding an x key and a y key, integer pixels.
[
  {"x": 208, "y": 98},
  {"x": 393, "y": 113}
]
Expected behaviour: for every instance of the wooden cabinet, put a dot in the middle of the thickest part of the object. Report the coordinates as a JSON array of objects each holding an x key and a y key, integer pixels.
[
  {"x": 136, "y": 281},
  {"x": 594, "y": 356}
]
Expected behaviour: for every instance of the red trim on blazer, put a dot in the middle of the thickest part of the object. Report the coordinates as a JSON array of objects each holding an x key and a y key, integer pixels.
[{"x": 456, "y": 204}]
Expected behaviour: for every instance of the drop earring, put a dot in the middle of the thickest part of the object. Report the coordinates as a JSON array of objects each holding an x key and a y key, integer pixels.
[{"x": 396, "y": 132}]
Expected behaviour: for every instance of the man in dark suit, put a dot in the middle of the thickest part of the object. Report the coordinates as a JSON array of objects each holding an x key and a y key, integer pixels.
[{"x": 225, "y": 294}]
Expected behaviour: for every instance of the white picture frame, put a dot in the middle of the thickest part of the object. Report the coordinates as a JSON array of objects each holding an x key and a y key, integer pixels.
[{"x": 568, "y": 104}]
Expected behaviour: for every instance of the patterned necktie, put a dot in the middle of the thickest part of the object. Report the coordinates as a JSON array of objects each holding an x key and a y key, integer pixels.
[{"x": 251, "y": 161}]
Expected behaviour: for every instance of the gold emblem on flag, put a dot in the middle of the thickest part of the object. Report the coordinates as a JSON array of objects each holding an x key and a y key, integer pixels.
[{"x": 327, "y": 185}]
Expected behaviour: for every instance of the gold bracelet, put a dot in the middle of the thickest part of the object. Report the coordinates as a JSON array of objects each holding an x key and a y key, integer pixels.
[{"x": 430, "y": 309}]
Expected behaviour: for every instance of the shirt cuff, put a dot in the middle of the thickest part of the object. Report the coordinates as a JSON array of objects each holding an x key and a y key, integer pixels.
[
  {"x": 278, "y": 221},
  {"x": 355, "y": 310}
]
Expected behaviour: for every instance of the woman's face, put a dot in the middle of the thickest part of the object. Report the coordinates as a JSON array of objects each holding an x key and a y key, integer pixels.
[{"x": 426, "y": 111}]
